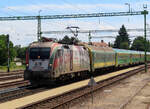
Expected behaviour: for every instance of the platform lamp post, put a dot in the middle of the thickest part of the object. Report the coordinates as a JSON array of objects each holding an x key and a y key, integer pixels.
[{"x": 145, "y": 12}]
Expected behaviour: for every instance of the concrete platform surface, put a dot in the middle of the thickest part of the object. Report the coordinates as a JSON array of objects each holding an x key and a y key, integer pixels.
[{"x": 52, "y": 92}]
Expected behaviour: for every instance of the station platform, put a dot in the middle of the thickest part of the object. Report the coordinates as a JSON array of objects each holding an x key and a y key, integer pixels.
[{"x": 56, "y": 91}]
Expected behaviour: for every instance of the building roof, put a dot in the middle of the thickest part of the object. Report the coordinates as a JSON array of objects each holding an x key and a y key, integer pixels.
[
  {"x": 97, "y": 44},
  {"x": 100, "y": 44}
]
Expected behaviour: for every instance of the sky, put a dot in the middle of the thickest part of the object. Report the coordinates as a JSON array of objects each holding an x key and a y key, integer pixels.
[{"x": 25, "y": 32}]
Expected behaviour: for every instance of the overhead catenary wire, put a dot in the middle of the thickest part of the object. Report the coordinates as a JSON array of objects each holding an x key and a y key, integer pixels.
[
  {"x": 95, "y": 31},
  {"x": 84, "y": 10}
]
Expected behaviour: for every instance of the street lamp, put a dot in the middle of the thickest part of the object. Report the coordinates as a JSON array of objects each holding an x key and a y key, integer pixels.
[{"x": 128, "y": 5}]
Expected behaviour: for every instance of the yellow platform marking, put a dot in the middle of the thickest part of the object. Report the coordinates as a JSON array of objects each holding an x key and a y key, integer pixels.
[{"x": 52, "y": 92}]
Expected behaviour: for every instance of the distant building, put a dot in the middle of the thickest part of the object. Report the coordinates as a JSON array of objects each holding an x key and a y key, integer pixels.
[{"x": 98, "y": 44}]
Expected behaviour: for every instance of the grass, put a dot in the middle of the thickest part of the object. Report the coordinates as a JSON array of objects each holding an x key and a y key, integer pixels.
[{"x": 12, "y": 67}]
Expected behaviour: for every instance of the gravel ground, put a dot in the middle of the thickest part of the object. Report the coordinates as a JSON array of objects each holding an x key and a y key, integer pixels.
[
  {"x": 141, "y": 100},
  {"x": 115, "y": 95}
]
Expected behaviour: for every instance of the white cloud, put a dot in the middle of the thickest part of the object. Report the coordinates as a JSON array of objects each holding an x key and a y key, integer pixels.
[
  {"x": 66, "y": 7},
  {"x": 18, "y": 30}
]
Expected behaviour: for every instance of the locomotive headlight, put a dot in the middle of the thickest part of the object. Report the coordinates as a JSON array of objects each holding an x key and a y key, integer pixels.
[
  {"x": 50, "y": 65},
  {"x": 27, "y": 66}
]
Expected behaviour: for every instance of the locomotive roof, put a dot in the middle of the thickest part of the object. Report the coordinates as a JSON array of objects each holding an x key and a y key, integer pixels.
[{"x": 40, "y": 44}]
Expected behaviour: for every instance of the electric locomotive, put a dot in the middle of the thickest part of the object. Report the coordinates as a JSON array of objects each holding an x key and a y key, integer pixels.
[{"x": 49, "y": 61}]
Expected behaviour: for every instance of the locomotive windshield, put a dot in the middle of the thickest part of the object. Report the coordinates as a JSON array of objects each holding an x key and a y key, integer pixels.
[{"x": 39, "y": 53}]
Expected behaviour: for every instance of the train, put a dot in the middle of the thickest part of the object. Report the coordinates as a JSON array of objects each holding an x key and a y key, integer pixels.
[{"x": 47, "y": 62}]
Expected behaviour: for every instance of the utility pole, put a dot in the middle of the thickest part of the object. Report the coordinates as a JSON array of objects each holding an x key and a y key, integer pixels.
[
  {"x": 39, "y": 27},
  {"x": 90, "y": 37},
  {"x": 8, "y": 53},
  {"x": 129, "y": 6},
  {"x": 145, "y": 12}
]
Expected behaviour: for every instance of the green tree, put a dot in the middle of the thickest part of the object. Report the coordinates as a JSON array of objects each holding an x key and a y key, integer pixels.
[
  {"x": 3, "y": 50},
  {"x": 122, "y": 40},
  {"x": 139, "y": 44},
  {"x": 21, "y": 52},
  {"x": 74, "y": 40},
  {"x": 110, "y": 44}
]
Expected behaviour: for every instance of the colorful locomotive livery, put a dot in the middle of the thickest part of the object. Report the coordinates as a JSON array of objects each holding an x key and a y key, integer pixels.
[{"x": 49, "y": 61}]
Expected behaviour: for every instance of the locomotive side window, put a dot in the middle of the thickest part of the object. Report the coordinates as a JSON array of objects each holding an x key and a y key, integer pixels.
[{"x": 39, "y": 53}]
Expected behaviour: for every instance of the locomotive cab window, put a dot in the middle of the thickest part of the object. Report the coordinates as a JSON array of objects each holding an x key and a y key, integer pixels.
[{"x": 39, "y": 53}]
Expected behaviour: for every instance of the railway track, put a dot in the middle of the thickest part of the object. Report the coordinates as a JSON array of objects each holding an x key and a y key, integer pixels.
[
  {"x": 69, "y": 98},
  {"x": 10, "y": 77},
  {"x": 14, "y": 93},
  {"x": 14, "y": 71},
  {"x": 14, "y": 83},
  {"x": 11, "y": 73},
  {"x": 4, "y": 77}
]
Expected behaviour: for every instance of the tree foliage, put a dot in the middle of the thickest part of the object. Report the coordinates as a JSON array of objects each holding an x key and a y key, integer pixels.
[
  {"x": 67, "y": 40},
  {"x": 21, "y": 52},
  {"x": 3, "y": 50},
  {"x": 139, "y": 44},
  {"x": 122, "y": 40}
]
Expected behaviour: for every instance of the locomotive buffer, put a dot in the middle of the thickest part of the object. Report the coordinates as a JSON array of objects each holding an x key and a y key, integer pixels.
[{"x": 92, "y": 83}]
